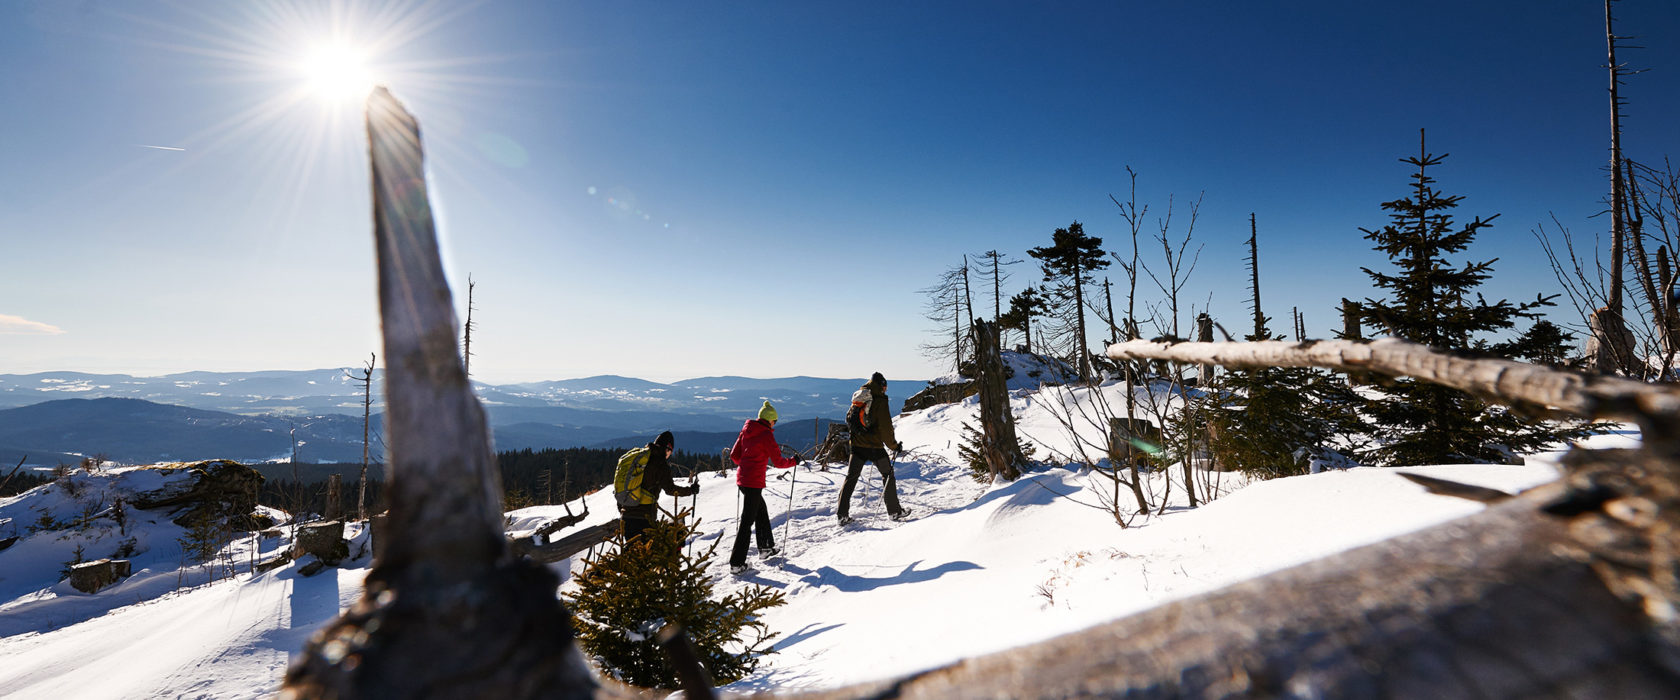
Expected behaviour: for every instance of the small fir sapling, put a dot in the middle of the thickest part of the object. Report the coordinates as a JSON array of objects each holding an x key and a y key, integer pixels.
[{"x": 627, "y": 593}]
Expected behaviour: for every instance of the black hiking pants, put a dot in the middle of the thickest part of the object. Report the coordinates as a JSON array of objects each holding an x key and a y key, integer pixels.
[
  {"x": 889, "y": 481},
  {"x": 634, "y": 522},
  {"x": 754, "y": 515}
]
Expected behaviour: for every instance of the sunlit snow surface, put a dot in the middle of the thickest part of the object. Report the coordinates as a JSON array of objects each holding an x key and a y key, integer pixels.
[{"x": 978, "y": 569}]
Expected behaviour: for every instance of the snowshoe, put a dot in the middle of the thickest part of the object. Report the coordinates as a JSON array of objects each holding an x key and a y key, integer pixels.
[
  {"x": 738, "y": 569},
  {"x": 770, "y": 553},
  {"x": 846, "y": 520},
  {"x": 901, "y": 515}
]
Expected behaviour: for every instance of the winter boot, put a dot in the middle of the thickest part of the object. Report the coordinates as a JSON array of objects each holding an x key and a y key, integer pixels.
[{"x": 902, "y": 514}]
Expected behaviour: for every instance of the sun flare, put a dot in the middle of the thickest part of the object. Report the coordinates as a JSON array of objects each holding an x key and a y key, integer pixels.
[{"x": 337, "y": 72}]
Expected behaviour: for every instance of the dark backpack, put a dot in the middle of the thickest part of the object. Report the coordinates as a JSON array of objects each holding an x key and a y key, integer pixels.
[{"x": 857, "y": 419}]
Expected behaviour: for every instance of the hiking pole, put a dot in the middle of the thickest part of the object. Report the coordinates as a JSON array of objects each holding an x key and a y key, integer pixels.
[{"x": 788, "y": 528}]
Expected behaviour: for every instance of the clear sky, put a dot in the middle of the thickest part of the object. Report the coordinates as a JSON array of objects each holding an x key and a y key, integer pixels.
[{"x": 682, "y": 189}]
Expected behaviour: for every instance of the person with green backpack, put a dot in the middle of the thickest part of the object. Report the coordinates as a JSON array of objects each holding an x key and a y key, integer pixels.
[{"x": 641, "y": 474}]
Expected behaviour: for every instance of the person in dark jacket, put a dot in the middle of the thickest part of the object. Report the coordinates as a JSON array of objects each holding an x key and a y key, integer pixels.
[
  {"x": 872, "y": 446},
  {"x": 656, "y": 477},
  {"x": 754, "y": 451}
]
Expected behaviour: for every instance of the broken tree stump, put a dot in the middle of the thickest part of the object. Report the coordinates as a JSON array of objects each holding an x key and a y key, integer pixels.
[{"x": 90, "y": 577}]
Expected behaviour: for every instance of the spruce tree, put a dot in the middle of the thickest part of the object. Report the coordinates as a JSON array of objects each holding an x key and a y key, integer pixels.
[
  {"x": 1067, "y": 265},
  {"x": 626, "y": 594},
  {"x": 1433, "y": 301},
  {"x": 1276, "y": 421},
  {"x": 1023, "y": 308}
]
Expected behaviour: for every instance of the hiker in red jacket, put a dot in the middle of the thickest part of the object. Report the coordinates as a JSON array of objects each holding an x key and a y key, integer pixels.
[{"x": 755, "y": 449}]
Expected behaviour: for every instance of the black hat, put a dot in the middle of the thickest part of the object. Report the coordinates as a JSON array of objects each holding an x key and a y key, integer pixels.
[
  {"x": 877, "y": 380},
  {"x": 665, "y": 439}
]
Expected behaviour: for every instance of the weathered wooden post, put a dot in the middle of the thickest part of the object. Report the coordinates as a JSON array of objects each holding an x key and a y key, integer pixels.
[
  {"x": 335, "y": 498},
  {"x": 1610, "y": 343},
  {"x": 446, "y": 610},
  {"x": 1351, "y": 329},
  {"x": 1204, "y": 333}
]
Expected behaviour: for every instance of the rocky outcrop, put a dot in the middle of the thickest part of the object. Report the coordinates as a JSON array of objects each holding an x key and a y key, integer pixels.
[
  {"x": 325, "y": 540},
  {"x": 217, "y": 489},
  {"x": 936, "y": 394}
]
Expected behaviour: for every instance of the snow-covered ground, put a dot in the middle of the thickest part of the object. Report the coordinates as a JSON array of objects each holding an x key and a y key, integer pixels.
[{"x": 978, "y": 569}]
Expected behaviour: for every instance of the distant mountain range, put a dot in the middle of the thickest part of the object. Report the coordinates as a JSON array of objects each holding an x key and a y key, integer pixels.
[{"x": 253, "y": 416}]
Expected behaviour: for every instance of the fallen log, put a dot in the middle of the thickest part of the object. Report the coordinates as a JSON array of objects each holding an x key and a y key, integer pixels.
[{"x": 567, "y": 546}]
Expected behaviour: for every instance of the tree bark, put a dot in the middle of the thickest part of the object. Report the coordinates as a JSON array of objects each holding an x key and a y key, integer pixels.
[
  {"x": 997, "y": 425},
  {"x": 446, "y": 611}
]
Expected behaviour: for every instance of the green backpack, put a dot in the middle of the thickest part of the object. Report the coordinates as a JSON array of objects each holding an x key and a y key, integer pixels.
[{"x": 627, "y": 479}]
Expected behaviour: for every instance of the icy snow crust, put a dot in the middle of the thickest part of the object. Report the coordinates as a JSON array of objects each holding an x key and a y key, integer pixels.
[{"x": 979, "y": 568}]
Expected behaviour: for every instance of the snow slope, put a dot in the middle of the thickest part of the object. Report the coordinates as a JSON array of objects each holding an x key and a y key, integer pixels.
[{"x": 1040, "y": 556}]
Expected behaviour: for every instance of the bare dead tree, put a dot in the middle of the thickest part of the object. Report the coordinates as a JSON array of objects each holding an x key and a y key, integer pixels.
[
  {"x": 466, "y": 333},
  {"x": 366, "y": 378},
  {"x": 944, "y": 307},
  {"x": 8, "y": 479},
  {"x": 968, "y": 294},
  {"x": 1178, "y": 262},
  {"x": 992, "y": 264},
  {"x": 1133, "y": 215},
  {"x": 1254, "y": 278},
  {"x": 1613, "y": 323}
]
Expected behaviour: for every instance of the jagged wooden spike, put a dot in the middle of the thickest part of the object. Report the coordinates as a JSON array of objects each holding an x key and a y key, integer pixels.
[{"x": 446, "y": 612}]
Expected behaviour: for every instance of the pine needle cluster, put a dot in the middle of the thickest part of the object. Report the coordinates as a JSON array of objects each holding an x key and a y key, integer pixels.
[
  {"x": 628, "y": 593},
  {"x": 1276, "y": 421}
]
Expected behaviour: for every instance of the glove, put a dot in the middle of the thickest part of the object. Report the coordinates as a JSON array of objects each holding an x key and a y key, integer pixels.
[{"x": 898, "y": 446}]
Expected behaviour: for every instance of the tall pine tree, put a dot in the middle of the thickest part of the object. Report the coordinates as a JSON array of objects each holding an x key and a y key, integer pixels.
[
  {"x": 1067, "y": 264},
  {"x": 1433, "y": 301}
]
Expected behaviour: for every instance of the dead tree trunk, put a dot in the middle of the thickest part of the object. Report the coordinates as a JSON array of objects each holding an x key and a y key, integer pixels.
[
  {"x": 446, "y": 611},
  {"x": 1609, "y": 342},
  {"x": 335, "y": 498},
  {"x": 1611, "y": 327},
  {"x": 1350, "y": 321},
  {"x": 1204, "y": 333},
  {"x": 997, "y": 425}
]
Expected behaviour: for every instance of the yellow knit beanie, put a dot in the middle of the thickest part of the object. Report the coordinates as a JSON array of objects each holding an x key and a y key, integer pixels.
[{"x": 767, "y": 413}]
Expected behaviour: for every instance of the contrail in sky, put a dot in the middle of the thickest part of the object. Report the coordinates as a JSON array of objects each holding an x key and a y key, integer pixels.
[{"x": 162, "y": 148}]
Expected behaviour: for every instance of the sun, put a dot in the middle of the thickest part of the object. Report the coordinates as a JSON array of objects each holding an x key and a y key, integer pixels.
[{"x": 337, "y": 72}]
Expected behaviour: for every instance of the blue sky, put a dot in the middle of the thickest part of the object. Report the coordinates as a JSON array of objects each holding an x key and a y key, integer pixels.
[{"x": 671, "y": 190}]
